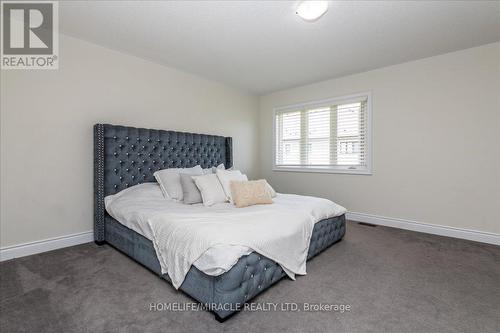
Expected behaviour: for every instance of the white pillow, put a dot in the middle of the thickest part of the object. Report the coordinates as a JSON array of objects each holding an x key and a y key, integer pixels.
[
  {"x": 213, "y": 169},
  {"x": 226, "y": 176},
  {"x": 210, "y": 188},
  {"x": 271, "y": 190},
  {"x": 170, "y": 180}
]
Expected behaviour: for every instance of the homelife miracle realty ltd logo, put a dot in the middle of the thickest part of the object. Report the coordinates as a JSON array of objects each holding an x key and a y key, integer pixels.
[{"x": 30, "y": 35}]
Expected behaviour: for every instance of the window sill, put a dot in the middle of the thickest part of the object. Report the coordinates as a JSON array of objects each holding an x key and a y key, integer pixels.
[{"x": 323, "y": 170}]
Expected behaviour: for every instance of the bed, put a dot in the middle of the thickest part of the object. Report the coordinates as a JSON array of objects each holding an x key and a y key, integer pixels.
[{"x": 128, "y": 156}]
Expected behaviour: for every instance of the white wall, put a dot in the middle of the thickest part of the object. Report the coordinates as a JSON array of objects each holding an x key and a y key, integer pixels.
[
  {"x": 46, "y": 130},
  {"x": 436, "y": 125},
  {"x": 453, "y": 100}
]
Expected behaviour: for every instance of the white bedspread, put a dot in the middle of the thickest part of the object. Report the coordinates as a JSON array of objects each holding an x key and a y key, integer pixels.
[{"x": 214, "y": 238}]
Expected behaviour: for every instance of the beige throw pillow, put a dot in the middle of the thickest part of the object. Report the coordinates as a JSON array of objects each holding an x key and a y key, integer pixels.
[{"x": 248, "y": 193}]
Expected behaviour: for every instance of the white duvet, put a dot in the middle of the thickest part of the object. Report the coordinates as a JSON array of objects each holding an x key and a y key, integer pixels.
[{"x": 214, "y": 238}]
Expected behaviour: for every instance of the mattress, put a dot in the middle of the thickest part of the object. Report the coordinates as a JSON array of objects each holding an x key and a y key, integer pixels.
[{"x": 135, "y": 206}]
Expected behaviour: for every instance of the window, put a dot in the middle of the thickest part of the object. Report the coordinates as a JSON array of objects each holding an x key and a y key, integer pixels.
[{"x": 325, "y": 136}]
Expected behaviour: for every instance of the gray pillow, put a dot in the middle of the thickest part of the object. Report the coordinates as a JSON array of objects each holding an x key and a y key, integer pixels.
[{"x": 191, "y": 193}]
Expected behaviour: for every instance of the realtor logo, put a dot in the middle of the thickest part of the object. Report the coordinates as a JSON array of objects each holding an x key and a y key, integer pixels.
[{"x": 30, "y": 38}]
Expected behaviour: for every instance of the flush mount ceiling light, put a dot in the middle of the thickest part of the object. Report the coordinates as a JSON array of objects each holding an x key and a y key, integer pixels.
[{"x": 312, "y": 10}]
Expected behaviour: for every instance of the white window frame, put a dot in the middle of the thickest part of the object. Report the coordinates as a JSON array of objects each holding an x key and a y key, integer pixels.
[{"x": 365, "y": 170}]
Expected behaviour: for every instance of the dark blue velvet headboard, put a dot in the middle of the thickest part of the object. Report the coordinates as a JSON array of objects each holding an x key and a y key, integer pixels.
[{"x": 126, "y": 156}]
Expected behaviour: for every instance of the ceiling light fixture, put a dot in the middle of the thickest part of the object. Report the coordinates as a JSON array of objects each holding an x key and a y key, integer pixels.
[{"x": 312, "y": 10}]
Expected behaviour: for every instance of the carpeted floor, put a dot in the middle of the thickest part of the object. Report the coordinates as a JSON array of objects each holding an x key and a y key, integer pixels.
[{"x": 393, "y": 281}]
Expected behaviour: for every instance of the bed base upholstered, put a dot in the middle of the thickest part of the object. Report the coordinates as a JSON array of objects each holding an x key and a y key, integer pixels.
[
  {"x": 251, "y": 275},
  {"x": 126, "y": 156}
]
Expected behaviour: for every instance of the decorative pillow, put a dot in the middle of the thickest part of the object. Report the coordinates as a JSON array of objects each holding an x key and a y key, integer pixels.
[
  {"x": 226, "y": 176},
  {"x": 170, "y": 180},
  {"x": 191, "y": 194},
  {"x": 271, "y": 190},
  {"x": 248, "y": 193},
  {"x": 213, "y": 169},
  {"x": 210, "y": 188}
]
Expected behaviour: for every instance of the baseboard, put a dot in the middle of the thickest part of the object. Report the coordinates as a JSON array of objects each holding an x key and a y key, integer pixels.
[
  {"x": 26, "y": 249},
  {"x": 441, "y": 230}
]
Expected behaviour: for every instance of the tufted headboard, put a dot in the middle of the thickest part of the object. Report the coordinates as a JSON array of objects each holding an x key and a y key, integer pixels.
[{"x": 126, "y": 156}]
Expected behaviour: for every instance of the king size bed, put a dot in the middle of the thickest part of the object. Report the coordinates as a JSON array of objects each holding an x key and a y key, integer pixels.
[{"x": 128, "y": 156}]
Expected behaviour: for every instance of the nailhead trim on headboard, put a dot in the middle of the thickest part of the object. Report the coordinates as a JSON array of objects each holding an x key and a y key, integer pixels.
[
  {"x": 126, "y": 156},
  {"x": 99, "y": 183}
]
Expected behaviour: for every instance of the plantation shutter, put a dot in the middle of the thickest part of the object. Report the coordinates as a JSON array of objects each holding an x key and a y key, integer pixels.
[{"x": 326, "y": 136}]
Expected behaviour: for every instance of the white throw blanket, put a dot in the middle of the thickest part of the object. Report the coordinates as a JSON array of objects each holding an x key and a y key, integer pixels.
[{"x": 279, "y": 231}]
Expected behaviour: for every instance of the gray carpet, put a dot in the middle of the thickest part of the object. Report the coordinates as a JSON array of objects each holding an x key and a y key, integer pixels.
[{"x": 394, "y": 281}]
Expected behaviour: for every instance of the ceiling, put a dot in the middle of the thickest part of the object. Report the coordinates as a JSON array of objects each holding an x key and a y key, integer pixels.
[{"x": 262, "y": 46}]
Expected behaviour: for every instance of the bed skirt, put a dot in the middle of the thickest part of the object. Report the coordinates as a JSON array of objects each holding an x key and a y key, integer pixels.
[{"x": 250, "y": 276}]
